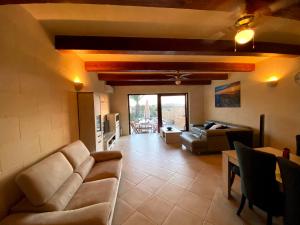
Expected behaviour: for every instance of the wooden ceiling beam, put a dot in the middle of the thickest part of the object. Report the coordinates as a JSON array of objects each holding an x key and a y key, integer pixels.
[
  {"x": 142, "y": 83},
  {"x": 169, "y": 46},
  {"x": 219, "y": 5},
  {"x": 159, "y": 77},
  {"x": 168, "y": 67},
  {"x": 291, "y": 12}
]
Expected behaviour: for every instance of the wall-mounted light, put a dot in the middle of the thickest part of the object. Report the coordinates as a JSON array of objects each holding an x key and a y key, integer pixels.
[
  {"x": 297, "y": 78},
  {"x": 272, "y": 81},
  {"x": 77, "y": 84}
]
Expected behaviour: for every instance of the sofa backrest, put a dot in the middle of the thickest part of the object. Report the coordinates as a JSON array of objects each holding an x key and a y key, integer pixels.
[
  {"x": 79, "y": 156},
  {"x": 42, "y": 180},
  {"x": 76, "y": 153},
  {"x": 230, "y": 125}
]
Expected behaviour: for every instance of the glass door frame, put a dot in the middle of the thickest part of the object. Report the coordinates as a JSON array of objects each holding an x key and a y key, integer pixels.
[
  {"x": 159, "y": 109},
  {"x": 128, "y": 104}
]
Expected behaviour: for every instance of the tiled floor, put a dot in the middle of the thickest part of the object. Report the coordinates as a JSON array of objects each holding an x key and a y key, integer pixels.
[{"x": 162, "y": 184}]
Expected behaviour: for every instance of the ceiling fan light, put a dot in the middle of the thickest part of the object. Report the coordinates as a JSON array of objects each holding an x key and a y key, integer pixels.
[
  {"x": 244, "y": 36},
  {"x": 177, "y": 82}
]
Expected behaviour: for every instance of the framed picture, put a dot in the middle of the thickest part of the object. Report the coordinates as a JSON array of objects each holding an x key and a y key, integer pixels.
[{"x": 228, "y": 95}]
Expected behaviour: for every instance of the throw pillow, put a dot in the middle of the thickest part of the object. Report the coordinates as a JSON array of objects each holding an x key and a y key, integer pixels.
[
  {"x": 209, "y": 125},
  {"x": 214, "y": 127}
]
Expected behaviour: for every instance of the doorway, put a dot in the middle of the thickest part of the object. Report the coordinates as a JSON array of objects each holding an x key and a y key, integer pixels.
[
  {"x": 173, "y": 111},
  {"x": 149, "y": 112},
  {"x": 142, "y": 113}
]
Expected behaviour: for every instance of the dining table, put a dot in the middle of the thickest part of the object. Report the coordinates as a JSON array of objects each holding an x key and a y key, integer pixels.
[{"x": 229, "y": 158}]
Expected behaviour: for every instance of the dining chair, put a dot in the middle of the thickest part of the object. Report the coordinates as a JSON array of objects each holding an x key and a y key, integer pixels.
[
  {"x": 298, "y": 144},
  {"x": 258, "y": 181},
  {"x": 244, "y": 137},
  {"x": 290, "y": 173}
]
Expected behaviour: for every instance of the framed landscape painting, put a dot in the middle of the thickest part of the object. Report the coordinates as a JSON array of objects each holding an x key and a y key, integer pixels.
[{"x": 228, "y": 95}]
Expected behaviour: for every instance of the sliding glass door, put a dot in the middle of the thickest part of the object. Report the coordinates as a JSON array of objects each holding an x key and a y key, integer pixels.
[
  {"x": 142, "y": 114},
  {"x": 173, "y": 111},
  {"x": 147, "y": 113}
]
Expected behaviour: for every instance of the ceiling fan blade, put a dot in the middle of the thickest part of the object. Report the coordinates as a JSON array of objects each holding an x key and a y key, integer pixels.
[
  {"x": 274, "y": 7},
  {"x": 185, "y": 78},
  {"x": 185, "y": 74},
  {"x": 271, "y": 9}
]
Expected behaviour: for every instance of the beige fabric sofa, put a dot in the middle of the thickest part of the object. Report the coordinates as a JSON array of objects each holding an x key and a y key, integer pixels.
[{"x": 70, "y": 187}]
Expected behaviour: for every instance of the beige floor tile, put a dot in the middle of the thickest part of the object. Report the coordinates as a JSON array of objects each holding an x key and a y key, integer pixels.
[
  {"x": 134, "y": 177},
  {"x": 138, "y": 219},
  {"x": 162, "y": 173},
  {"x": 207, "y": 223},
  {"x": 181, "y": 180},
  {"x": 187, "y": 171},
  {"x": 223, "y": 212},
  {"x": 151, "y": 184},
  {"x": 195, "y": 204},
  {"x": 179, "y": 216},
  {"x": 202, "y": 189},
  {"x": 135, "y": 197},
  {"x": 125, "y": 186},
  {"x": 156, "y": 209},
  {"x": 147, "y": 156},
  {"x": 170, "y": 192},
  {"x": 209, "y": 179},
  {"x": 122, "y": 212}
]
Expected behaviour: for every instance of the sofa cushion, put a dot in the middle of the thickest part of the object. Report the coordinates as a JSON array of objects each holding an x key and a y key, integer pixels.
[
  {"x": 57, "y": 202},
  {"x": 216, "y": 126},
  {"x": 99, "y": 214},
  {"x": 85, "y": 167},
  {"x": 209, "y": 125},
  {"x": 106, "y": 169},
  {"x": 42, "y": 180},
  {"x": 94, "y": 192},
  {"x": 76, "y": 153}
]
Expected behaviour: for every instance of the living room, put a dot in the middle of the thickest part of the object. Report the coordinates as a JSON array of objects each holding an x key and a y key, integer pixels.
[{"x": 51, "y": 54}]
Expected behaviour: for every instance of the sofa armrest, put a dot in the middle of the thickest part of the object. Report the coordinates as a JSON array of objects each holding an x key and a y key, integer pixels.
[
  {"x": 106, "y": 155},
  {"x": 98, "y": 214}
]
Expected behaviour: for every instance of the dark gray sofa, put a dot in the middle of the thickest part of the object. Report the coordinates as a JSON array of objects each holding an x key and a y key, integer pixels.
[{"x": 200, "y": 140}]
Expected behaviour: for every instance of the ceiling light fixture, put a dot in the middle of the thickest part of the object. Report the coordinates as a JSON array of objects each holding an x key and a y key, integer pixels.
[
  {"x": 177, "y": 82},
  {"x": 244, "y": 36},
  {"x": 245, "y": 32}
]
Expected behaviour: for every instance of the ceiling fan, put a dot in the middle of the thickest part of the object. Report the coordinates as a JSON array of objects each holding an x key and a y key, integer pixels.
[
  {"x": 179, "y": 77},
  {"x": 249, "y": 16}
]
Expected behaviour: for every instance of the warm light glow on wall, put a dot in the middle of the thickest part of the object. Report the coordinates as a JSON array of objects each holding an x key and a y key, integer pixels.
[
  {"x": 77, "y": 80},
  {"x": 272, "y": 81},
  {"x": 77, "y": 84},
  {"x": 273, "y": 78}
]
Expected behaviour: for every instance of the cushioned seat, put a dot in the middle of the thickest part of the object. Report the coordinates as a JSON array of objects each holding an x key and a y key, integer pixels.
[
  {"x": 55, "y": 192},
  {"x": 211, "y": 136},
  {"x": 94, "y": 192},
  {"x": 106, "y": 169},
  {"x": 193, "y": 143},
  {"x": 98, "y": 214}
]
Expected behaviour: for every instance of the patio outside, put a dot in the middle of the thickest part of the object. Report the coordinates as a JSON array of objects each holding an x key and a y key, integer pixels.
[{"x": 144, "y": 116}]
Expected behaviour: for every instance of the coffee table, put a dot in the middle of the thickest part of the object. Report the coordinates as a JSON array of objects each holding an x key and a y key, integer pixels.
[{"x": 170, "y": 136}]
